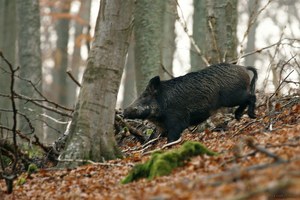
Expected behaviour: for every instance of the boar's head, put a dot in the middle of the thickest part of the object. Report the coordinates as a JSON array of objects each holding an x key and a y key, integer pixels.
[{"x": 146, "y": 105}]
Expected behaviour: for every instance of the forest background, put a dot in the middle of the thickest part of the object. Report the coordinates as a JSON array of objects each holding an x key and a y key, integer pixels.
[{"x": 47, "y": 45}]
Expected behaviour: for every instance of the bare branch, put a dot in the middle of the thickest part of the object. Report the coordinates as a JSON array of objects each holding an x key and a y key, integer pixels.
[
  {"x": 283, "y": 81},
  {"x": 14, "y": 107},
  {"x": 73, "y": 78},
  {"x": 253, "y": 18}
]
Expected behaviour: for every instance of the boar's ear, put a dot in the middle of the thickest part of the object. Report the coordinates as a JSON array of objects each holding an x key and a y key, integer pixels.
[{"x": 154, "y": 84}]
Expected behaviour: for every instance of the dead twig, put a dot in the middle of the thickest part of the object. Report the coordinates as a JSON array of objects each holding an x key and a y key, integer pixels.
[
  {"x": 250, "y": 142},
  {"x": 138, "y": 134},
  {"x": 244, "y": 127},
  {"x": 73, "y": 78},
  {"x": 166, "y": 71},
  {"x": 253, "y": 19},
  {"x": 42, "y": 105},
  {"x": 278, "y": 88},
  {"x": 44, "y": 99},
  {"x": 23, "y": 136},
  {"x": 172, "y": 143},
  {"x": 163, "y": 147},
  {"x": 151, "y": 141},
  {"x": 280, "y": 42},
  {"x": 214, "y": 38},
  {"x": 284, "y": 64},
  {"x": 95, "y": 163}
]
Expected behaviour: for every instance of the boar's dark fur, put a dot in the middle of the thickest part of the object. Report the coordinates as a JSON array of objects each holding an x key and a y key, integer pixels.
[{"x": 192, "y": 98}]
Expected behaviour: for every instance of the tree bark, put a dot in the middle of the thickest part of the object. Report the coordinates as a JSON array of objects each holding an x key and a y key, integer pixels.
[
  {"x": 30, "y": 62},
  {"x": 8, "y": 48},
  {"x": 200, "y": 31},
  {"x": 129, "y": 94},
  {"x": 253, "y": 8},
  {"x": 59, "y": 86},
  {"x": 148, "y": 23},
  {"x": 80, "y": 30},
  {"x": 216, "y": 35},
  {"x": 168, "y": 40},
  {"x": 92, "y": 128},
  {"x": 61, "y": 55}
]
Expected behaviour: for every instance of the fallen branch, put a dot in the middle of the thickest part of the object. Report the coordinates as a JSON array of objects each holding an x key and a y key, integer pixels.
[
  {"x": 95, "y": 163},
  {"x": 172, "y": 143},
  {"x": 250, "y": 142},
  {"x": 138, "y": 134},
  {"x": 244, "y": 127}
]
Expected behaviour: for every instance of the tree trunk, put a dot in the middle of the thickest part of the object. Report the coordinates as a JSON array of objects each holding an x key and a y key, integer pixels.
[
  {"x": 148, "y": 25},
  {"x": 59, "y": 85},
  {"x": 129, "y": 94},
  {"x": 61, "y": 55},
  {"x": 168, "y": 40},
  {"x": 30, "y": 62},
  {"x": 81, "y": 28},
  {"x": 217, "y": 40},
  {"x": 253, "y": 8},
  {"x": 92, "y": 128},
  {"x": 200, "y": 31},
  {"x": 8, "y": 48}
]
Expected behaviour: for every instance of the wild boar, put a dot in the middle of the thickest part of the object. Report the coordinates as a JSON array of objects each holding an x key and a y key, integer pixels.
[{"x": 192, "y": 98}]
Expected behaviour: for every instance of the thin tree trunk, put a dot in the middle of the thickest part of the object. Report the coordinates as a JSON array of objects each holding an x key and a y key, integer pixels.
[
  {"x": 217, "y": 40},
  {"x": 129, "y": 81},
  {"x": 76, "y": 62},
  {"x": 59, "y": 84},
  {"x": 8, "y": 48},
  {"x": 168, "y": 41},
  {"x": 148, "y": 25},
  {"x": 30, "y": 62},
  {"x": 200, "y": 31},
  {"x": 92, "y": 127},
  {"x": 59, "y": 88},
  {"x": 253, "y": 7},
  {"x": 222, "y": 23}
]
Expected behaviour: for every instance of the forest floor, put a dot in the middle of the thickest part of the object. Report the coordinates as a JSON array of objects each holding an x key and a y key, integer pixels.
[{"x": 259, "y": 159}]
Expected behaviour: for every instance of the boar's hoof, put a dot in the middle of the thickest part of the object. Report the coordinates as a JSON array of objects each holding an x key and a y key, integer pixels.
[{"x": 252, "y": 115}]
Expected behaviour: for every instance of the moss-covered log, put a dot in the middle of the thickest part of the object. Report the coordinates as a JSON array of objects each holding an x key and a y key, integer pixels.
[{"x": 162, "y": 163}]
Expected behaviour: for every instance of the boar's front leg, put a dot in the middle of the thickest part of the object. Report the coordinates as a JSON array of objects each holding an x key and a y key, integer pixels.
[{"x": 175, "y": 123}]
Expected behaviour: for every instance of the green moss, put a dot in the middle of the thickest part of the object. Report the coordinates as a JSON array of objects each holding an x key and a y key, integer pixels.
[
  {"x": 149, "y": 132},
  {"x": 21, "y": 180},
  {"x": 162, "y": 163},
  {"x": 32, "y": 168}
]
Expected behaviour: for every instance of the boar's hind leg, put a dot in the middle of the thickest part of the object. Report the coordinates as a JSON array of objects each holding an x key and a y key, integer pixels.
[
  {"x": 251, "y": 106},
  {"x": 174, "y": 127},
  {"x": 239, "y": 111}
]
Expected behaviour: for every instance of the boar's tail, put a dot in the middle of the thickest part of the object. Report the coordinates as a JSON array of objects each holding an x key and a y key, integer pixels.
[{"x": 253, "y": 81}]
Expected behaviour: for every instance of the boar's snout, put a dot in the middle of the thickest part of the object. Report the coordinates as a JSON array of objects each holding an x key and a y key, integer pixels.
[{"x": 133, "y": 112}]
